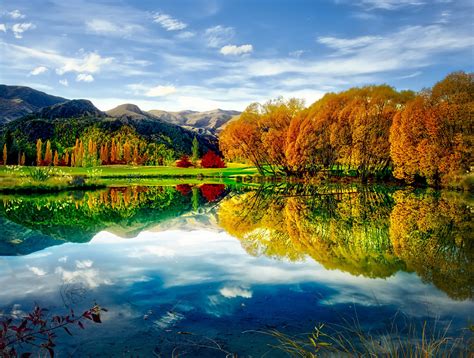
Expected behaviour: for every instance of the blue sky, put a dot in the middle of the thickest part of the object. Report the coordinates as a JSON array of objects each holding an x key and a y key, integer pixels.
[{"x": 206, "y": 54}]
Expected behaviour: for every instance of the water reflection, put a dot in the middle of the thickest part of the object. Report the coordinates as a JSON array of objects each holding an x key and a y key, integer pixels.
[{"x": 217, "y": 261}]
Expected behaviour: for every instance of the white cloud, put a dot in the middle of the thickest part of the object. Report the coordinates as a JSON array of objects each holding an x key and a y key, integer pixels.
[
  {"x": 159, "y": 91},
  {"x": 168, "y": 23},
  {"x": 90, "y": 63},
  {"x": 236, "y": 50},
  {"x": 16, "y": 14},
  {"x": 65, "y": 83},
  {"x": 3, "y": 27},
  {"x": 84, "y": 77},
  {"x": 105, "y": 27},
  {"x": 38, "y": 70},
  {"x": 37, "y": 271},
  {"x": 218, "y": 35},
  {"x": 19, "y": 29}
]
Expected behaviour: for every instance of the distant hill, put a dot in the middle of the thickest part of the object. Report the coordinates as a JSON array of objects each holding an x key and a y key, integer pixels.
[
  {"x": 213, "y": 121},
  {"x": 75, "y": 108},
  {"x": 18, "y": 101},
  {"x": 128, "y": 110}
]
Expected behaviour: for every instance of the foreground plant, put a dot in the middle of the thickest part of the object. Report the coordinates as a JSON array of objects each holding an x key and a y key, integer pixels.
[{"x": 37, "y": 331}]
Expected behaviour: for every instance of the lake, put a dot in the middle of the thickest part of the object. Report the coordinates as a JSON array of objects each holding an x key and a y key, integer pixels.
[{"x": 211, "y": 269}]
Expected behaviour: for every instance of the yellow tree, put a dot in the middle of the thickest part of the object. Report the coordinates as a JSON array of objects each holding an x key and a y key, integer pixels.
[
  {"x": 48, "y": 154},
  {"x": 5, "y": 154},
  {"x": 39, "y": 154}
]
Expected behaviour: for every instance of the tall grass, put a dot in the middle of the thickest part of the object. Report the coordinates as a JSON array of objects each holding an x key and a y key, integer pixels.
[{"x": 406, "y": 339}]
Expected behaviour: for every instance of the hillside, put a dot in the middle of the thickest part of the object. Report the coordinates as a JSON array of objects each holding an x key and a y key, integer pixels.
[
  {"x": 18, "y": 101},
  {"x": 63, "y": 123}
]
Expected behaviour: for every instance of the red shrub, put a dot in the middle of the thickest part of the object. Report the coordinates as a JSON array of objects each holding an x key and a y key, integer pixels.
[
  {"x": 212, "y": 160},
  {"x": 184, "y": 162}
]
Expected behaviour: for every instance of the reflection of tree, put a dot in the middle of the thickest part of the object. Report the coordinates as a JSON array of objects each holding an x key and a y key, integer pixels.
[
  {"x": 361, "y": 231},
  {"x": 344, "y": 229},
  {"x": 78, "y": 217},
  {"x": 433, "y": 234}
]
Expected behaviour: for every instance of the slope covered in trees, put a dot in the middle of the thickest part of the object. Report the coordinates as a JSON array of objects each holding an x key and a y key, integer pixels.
[
  {"x": 368, "y": 131},
  {"x": 81, "y": 135}
]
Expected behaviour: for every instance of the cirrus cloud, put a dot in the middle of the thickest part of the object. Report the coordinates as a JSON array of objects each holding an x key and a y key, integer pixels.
[{"x": 168, "y": 23}]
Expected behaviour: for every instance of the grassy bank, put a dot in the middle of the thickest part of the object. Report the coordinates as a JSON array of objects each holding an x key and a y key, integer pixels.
[{"x": 15, "y": 179}]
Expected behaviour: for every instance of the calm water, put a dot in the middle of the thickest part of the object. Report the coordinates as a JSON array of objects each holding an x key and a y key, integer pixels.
[{"x": 184, "y": 267}]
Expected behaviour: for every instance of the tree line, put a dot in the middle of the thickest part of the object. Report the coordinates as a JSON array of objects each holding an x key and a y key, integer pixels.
[{"x": 367, "y": 131}]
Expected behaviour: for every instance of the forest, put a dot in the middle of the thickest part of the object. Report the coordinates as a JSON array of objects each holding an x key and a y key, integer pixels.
[{"x": 372, "y": 131}]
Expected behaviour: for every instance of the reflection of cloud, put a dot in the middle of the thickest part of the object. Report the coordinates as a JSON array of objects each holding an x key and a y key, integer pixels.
[
  {"x": 233, "y": 292},
  {"x": 153, "y": 251},
  {"x": 89, "y": 277},
  {"x": 37, "y": 271},
  {"x": 84, "y": 264},
  {"x": 206, "y": 258}
]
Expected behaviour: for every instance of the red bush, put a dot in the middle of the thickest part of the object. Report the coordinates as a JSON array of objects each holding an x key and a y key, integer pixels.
[
  {"x": 184, "y": 162},
  {"x": 211, "y": 192},
  {"x": 184, "y": 189},
  {"x": 212, "y": 160}
]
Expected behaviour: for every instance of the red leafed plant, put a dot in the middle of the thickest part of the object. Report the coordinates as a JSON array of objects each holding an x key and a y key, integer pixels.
[
  {"x": 38, "y": 329},
  {"x": 184, "y": 162},
  {"x": 212, "y": 160}
]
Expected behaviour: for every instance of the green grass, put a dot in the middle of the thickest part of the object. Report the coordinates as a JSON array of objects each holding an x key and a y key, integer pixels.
[{"x": 126, "y": 171}]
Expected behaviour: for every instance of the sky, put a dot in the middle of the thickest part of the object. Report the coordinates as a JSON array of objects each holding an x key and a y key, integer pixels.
[{"x": 206, "y": 54}]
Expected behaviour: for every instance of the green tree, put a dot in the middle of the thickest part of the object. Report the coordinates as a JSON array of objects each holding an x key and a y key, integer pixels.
[{"x": 195, "y": 149}]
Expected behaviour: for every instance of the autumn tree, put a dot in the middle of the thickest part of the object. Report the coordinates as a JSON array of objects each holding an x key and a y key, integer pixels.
[
  {"x": 127, "y": 155},
  {"x": 39, "y": 154},
  {"x": 433, "y": 135},
  {"x": 5, "y": 154},
  {"x": 259, "y": 134},
  {"x": 56, "y": 158}
]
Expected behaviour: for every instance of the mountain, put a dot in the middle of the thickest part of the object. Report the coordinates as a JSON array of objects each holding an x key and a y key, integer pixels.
[
  {"x": 18, "y": 101},
  {"x": 75, "y": 108},
  {"x": 127, "y": 110},
  {"x": 213, "y": 121}
]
